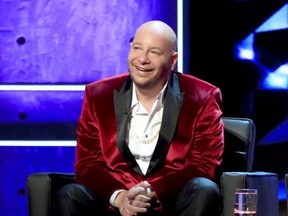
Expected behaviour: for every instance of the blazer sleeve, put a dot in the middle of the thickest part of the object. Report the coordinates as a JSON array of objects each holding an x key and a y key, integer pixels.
[{"x": 90, "y": 165}]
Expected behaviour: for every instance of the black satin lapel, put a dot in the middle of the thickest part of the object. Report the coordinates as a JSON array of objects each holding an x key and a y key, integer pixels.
[
  {"x": 172, "y": 105},
  {"x": 122, "y": 103}
]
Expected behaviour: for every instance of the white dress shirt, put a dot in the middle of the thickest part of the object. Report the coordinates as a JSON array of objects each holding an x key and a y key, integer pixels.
[
  {"x": 144, "y": 129},
  {"x": 143, "y": 133}
]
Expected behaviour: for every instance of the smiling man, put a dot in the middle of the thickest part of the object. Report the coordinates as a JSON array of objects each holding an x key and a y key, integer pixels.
[{"x": 148, "y": 141}]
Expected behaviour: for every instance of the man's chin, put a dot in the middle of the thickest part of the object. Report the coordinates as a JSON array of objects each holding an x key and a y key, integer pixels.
[{"x": 141, "y": 83}]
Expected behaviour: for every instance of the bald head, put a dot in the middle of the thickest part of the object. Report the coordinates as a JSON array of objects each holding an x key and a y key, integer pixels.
[
  {"x": 152, "y": 57},
  {"x": 159, "y": 29}
]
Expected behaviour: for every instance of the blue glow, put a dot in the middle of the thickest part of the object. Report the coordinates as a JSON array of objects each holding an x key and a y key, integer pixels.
[
  {"x": 47, "y": 143},
  {"x": 180, "y": 35},
  {"x": 277, "y": 79},
  {"x": 42, "y": 87},
  {"x": 246, "y": 54},
  {"x": 282, "y": 191},
  {"x": 245, "y": 49}
]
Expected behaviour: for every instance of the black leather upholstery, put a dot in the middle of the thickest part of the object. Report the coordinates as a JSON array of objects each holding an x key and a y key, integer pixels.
[
  {"x": 240, "y": 134},
  {"x": 238, "y": 156},
  {"x": 41, "y": 189}
]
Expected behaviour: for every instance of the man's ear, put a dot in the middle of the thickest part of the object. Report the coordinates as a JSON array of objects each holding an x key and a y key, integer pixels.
[{"x": 174, "y": 60}]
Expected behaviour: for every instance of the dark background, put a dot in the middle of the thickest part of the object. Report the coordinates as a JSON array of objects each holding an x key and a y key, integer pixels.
[{"x": 224, "y": 24}]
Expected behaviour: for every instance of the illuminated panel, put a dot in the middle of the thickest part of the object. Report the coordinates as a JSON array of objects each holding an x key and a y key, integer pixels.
[
  {"x": 40, "y": 106},
  {"x": 180, "y": 35},
  {"x": 49, "y": 143},
  {"x": 42, "y": 87}
]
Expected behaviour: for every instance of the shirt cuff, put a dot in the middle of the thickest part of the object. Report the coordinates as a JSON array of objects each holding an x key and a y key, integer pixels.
[{"x": 113, "y": 197}]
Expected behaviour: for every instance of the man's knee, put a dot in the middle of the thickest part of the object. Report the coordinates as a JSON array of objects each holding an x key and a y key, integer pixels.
[
  {"x": 203, "y": 186},
  {"x": 76, "y": 199},
  {"x": 200, "y": 196},
  {"x": 73, "y": 192}
]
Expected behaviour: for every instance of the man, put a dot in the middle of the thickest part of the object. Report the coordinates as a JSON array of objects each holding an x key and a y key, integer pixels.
[{"x": 148, "y": 141}]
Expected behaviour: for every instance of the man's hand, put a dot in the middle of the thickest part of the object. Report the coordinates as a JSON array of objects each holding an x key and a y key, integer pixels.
[{"x": 135, "y": 200}]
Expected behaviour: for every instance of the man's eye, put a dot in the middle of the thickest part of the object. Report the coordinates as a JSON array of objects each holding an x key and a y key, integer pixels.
[{"x": 155, "y": 52}]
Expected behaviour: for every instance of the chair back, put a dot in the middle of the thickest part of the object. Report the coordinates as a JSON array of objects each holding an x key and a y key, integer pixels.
[{"x": 239, "y": 138}]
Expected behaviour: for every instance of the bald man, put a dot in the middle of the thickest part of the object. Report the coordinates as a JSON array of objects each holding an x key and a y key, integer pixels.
[{"x": 148, "y": 141}]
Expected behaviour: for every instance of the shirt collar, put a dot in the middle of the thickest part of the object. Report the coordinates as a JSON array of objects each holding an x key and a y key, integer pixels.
[{"x": 159, "y": 97}]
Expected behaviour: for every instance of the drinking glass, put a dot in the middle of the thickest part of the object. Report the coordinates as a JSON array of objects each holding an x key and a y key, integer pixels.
[{"x": 245, "y": 202}]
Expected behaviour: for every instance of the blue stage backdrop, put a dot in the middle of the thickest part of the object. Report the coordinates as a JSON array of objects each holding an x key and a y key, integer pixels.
[{"x": 56, "y": 43}]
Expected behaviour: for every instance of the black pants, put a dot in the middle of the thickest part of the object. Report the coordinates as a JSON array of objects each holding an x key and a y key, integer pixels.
[{"x": 199, "y": 197}]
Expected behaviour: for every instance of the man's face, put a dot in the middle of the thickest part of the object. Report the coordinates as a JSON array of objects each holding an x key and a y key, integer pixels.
[{"x": 151, "y": 60}]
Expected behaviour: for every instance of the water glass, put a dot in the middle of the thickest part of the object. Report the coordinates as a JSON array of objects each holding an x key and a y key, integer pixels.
[{"x": 245, "y": 202}]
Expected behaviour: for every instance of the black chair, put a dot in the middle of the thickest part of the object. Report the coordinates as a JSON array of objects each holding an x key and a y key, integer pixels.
[
  {"x": 238, "y": 156},
  {"x": 237, "y": 170}
]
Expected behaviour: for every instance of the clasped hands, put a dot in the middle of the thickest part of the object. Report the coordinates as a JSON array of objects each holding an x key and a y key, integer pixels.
[{"x": 136, "y": 200}]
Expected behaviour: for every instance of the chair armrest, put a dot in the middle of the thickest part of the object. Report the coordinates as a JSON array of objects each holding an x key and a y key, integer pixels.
[
  {"x": 265, "y": 182},
  {"x": 41, "y": 187}
]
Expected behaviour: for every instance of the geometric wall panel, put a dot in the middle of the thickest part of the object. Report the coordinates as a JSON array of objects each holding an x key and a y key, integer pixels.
[
  {"x": 40, "y": 106},
  {"x": 271, "y": 48},
  {"x": 71, "y": 41}
]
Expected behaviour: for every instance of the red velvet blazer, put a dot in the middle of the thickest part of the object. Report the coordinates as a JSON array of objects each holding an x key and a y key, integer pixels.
[{"x": 190, "y": 143}]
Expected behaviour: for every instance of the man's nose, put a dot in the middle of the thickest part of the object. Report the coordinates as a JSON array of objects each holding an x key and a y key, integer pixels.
[{"x": 143, "y": 58}]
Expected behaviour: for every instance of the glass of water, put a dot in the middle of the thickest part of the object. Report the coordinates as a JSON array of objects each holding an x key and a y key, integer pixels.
[{"x": 245, "y": 202}]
